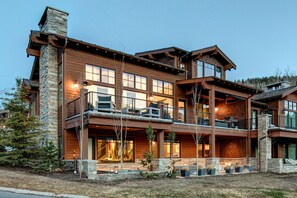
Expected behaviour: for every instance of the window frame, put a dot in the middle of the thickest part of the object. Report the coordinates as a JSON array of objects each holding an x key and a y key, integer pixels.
[
  {"x": 163, "y": 87},
  {"x": 203, "y": 69},
  {"x": 100, "y": 68},
  {"x": 134, "y": 81}
]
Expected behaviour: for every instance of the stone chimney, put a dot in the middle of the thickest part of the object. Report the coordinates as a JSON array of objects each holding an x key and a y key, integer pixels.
[{"x": 53, "y": 21}]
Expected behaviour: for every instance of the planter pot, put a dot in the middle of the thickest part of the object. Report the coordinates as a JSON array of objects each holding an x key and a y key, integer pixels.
[
  {"x": 250, "y": 168},
  {"x": 185, "y": 173},
  {"x": 229, "y": 171},
  {"x": 211, "y": 171},
  {"x": 238, "y": 169},
  {"x": 201, "y": 172}
]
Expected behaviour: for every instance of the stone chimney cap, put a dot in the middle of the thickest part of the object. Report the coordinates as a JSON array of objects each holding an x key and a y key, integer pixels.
[{"x": 43, "y": 18}]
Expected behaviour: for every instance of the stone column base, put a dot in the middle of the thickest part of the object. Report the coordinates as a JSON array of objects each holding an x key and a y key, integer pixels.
[
  {"x": 89, "y": 168},
  {"x": 161, "y": 164},
  {"x": 215, "y": 162}
]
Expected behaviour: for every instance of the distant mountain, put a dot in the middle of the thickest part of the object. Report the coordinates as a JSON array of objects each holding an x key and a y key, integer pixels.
[{"x": 261, "y": 82}]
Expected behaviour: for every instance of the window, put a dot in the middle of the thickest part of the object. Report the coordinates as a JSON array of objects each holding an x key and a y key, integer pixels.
[
  {"x": 166, "y": 105},
  {"x": 109, "y": 150},
  {"x": 181, "y": 110},
  {"x": 108, "y": 76},
  {"x": 175, "y": 149},
  {"x": 208, "y": 70},
  {"x": 99, "y": 91},
  {"x": 162, "y": 87},
  {"x": 205, "y": 69},
  {"x": 134, "y": 81},
  {"x": 200, "y": 69},
  {"x": 100, "y": 74},
  {"x": 219, "y": 72},
  {"x": 133, "y": 100}
]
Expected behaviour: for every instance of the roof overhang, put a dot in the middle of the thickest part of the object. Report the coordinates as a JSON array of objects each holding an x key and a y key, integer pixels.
[
  {"x": 37, "y": 39},
  {"x": 207, "y": 81},
  {"x": 216, "y": 52}
]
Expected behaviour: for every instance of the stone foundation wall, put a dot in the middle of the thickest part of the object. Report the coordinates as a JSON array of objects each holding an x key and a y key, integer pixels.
[
  {"x": 276, "y": 165},
  {"x": 89, "y": 168}
]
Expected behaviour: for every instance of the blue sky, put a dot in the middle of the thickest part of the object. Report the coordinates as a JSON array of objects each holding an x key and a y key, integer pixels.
[{"x": 259, "y": 36}]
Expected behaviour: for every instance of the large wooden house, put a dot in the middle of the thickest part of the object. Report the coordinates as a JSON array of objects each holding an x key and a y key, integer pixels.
[{"x": 113, "y": 94}]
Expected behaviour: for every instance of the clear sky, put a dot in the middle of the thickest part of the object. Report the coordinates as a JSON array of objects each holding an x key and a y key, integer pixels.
[{"x": 259, "y": 36}]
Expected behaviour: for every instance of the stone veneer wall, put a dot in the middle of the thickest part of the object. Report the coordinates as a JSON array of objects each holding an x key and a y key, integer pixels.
[
  {"x": 55, "y": 21},
  {"x": 264, "y": 141},
  {"x": 48, "y": 75}
]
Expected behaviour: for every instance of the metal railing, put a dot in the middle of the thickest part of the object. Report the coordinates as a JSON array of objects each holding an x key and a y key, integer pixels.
[
  {"x": 282, "y": 121},
  {"x": 108, "y": 103}
]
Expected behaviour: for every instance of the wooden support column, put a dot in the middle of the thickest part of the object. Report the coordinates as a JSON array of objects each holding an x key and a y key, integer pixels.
[
  {"x": 84, "y": 133},
  {"x": 85, "y": 143},
  {"x": 248, "y": 122},
  {"x": 212, "y": 138},
  {"x": 160, "y": 137}
]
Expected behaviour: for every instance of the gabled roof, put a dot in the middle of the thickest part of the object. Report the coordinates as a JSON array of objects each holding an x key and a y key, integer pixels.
[
  {"x": 275, "y": 94},
  {"x": 174, "y": 49},
  {"x": 215, "y": 51}
]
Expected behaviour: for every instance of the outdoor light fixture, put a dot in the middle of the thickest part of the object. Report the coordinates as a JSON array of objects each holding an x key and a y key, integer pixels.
[
  {"x": 216, "y": 109},
  {"x": 151, "y": 98},
  {"x": 75, "y": 85}
]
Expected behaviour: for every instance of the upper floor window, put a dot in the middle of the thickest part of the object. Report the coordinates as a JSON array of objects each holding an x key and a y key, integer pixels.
[
  {"x": 162, "y": 87},
  {"x": 205, "y": 69},
  {"x": 290, "y": 105},
  {"x": 100, "y": 74},
  {"x": 134, "y": 81}
]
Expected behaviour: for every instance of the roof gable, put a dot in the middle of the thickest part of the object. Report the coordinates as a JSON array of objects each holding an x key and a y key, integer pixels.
[{"x": 217, "y": 53}]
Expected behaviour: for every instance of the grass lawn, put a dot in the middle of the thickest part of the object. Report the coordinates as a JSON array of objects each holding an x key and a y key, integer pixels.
[{"x": 244, "y": 185}]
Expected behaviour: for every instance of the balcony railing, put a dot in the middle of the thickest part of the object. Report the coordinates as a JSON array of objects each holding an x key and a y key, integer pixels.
[
  {"x": 283, "y": 122},
  {"x": 114, "y": 104}
]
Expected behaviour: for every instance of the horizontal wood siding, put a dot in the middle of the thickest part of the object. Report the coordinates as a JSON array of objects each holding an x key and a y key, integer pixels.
[{"x": 71, "y": 145}]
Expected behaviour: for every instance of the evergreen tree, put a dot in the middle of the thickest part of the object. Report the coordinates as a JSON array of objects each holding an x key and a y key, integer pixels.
[{"x": 20, "y": 137}]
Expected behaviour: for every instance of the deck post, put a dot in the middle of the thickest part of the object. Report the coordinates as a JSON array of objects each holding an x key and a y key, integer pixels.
[
  {"x": 212, "y": 139},
  {"x": 160, "y": 138},
  {"x": 248, "y": 122},
  {"x": 84, "y": 133}
]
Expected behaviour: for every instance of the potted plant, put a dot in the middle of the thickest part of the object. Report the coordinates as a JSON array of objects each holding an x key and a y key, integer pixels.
[
  {"x": 249, "y": 167},
  {"x": 229, "y": 169},
  {"x": 238, "y": 168},
  {"x": 211, "y": 170},
  {"x": 185, "y": 172},
  {"x": 201, "y": 170}
]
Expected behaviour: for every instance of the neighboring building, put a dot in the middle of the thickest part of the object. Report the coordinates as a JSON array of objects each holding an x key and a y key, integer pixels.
[{"x": 70, "y": 77}]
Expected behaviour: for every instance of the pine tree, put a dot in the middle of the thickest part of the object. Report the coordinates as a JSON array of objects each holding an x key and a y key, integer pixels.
[{"x": 20, "y": 137}]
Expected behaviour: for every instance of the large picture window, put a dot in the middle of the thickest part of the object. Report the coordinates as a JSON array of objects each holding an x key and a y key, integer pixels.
[
  {"x": 175, "y": 149},
  {"x": 162, "y": 87},
  {"x": 109, "y": 151},
  {"x": 205, "y": 69},
  {"x": 133, "y": 100},
  {"x": 100, "y": 74},
  {"x": 134, "y": 81}
]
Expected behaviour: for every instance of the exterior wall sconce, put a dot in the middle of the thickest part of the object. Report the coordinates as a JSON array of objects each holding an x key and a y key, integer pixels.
[
  {"x": 216, "y": 109},
  {"x": 151, "y": 97},
  {"x": 75, "y": 84}
]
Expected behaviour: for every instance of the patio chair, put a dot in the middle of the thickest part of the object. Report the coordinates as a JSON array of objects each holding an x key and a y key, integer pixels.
[
  {"x": 105, "y": 103},
  {"x": 151, "y": 111}
]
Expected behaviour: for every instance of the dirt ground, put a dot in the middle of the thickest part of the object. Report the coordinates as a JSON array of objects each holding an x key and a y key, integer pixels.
[{"x": 243, "y": 185}]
